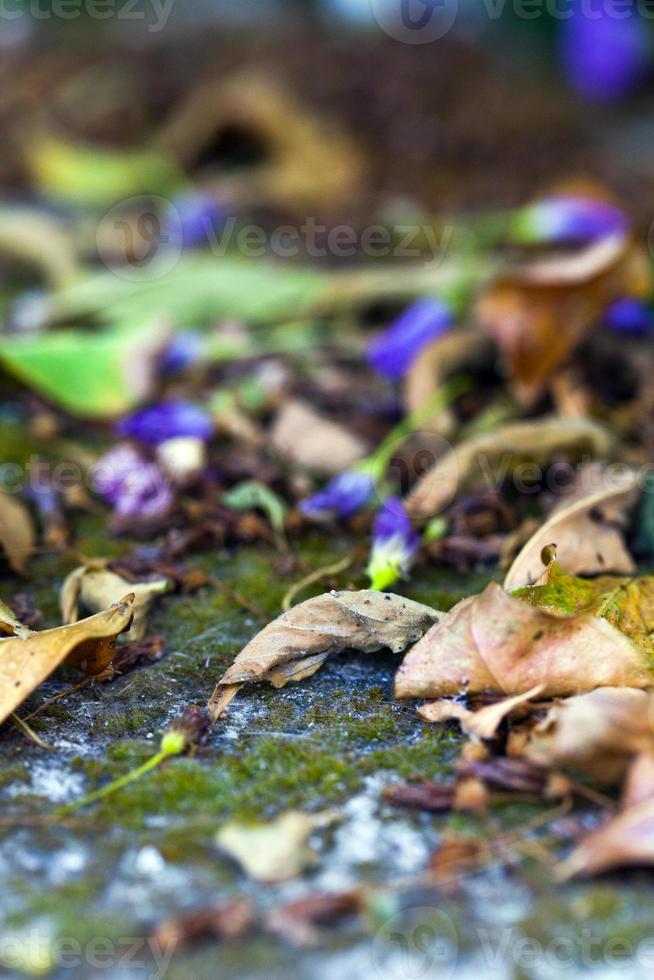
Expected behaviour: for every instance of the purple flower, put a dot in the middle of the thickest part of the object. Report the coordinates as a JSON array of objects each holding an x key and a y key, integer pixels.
[
  {"x": 630, "y": 316},
  {"x": 567, "y": 217},
  {"x": 342, "y": 496},
  {"x": 195, "y": 220},
  {"x": 395, "y": 544},
  {"x": 186, "y": 348},
  {"x": 392, "y": 352},
  {"x": 167, "y": 420},
  {"x": 604, "y": 49},
  {"x": 135, "y": 487}
]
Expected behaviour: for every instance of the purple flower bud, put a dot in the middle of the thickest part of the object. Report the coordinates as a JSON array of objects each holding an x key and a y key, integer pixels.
[
  {"x": 342, "y": 496},
  {"x": 186, "y": 348},
  {"x": 392, "y": 352},
  {"x": 197, "y": 219},
  {"x": 135, "y": 487},
  {"x": 395, "y": 545},
  {"x": 167, "y": 420},
  {"x": 567, "y": 217},
  {"x": 604, "y": 49},
  {"x": 630, "y": 316}
]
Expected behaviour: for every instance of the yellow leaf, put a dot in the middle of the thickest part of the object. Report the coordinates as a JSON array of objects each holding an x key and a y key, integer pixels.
[{"x": 87, "y": 645}]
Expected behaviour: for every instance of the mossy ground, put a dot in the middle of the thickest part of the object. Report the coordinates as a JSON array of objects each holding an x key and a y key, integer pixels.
[{"x": 332, "y": 741}]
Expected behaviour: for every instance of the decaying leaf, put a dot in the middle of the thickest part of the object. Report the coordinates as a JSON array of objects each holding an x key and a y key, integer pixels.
[
  {"x": 303, "y": 436},
  {"x": 474, "y": 783},
  {"x": 296, "y": 644},
  {"x": 626, "y": 603},
  {"x": 587, "y": 532},
  {"x": 273, "y": 851},
  {"x": 227, "y": 922},
  {"x": 626, "y": 840},
  {"x": 40, "y": 241},
  {"x": 87, "y": 645},
  {"x": 10, "y": 624},
  {"x": 596, "y": 734},
  {"x": 539, "y": 313},
  {"x": 304, "y": 162},
  {"x": 492, "y": 457},
  {"x": 17, "y": 536},
  {"x": 297, "y": 922},
  {"x": 457, "y": 855},
  {"x": 484, "y": 722},
  {"x": 496, "y": 642},
  {"x": 434, "y": 364},
  {"x": 93, "y": 587}
]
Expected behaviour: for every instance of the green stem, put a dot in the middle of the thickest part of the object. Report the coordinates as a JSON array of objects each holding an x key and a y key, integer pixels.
[
  {"x": 113, "y": 787},
  {"x": 442, "y": 398}
]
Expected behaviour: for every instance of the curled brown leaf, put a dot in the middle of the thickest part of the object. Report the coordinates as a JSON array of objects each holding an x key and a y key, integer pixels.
[
  {"x": 296, "y": 644},
  {"x": 495, "y": 642},
  {"x": 539, "y": 313},
  {"x": 587, "y": 532},
  {"x": 93, "y": 587},
  {"x": 492, "y": 457},
  {"x": 87, "y": 645},
  {"x": 595, "y": 734},
  {"x": 17, "y": 537}
]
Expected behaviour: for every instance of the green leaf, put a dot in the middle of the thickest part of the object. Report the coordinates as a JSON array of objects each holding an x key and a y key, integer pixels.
[
  {"x": 627, "y": 603},
  {"x": 94, "y": 175},
  {"x": 250, "y": 494},
  {"x": 99, "y": 374},
  {"x": 199, "y": 290}
]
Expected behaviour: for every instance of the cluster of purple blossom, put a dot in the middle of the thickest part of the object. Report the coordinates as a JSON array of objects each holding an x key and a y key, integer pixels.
[{"x": 137, "y": 486}]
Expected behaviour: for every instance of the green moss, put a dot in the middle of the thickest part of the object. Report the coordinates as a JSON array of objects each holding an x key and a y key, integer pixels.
[{"x": 312, "y": 746}]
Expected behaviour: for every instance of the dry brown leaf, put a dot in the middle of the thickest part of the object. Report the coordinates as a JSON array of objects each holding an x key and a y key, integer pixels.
[
  {"x": 227, "y": 922},
  {"x": 303, "y": 436},
  {"x": 456, "y": 856},
  {"x": 626, "y": 840},
  {"x": 587, "y": 532},
  {"x": 297, "y": 643},
  {"x": 434, "y": 365},
  {"x": 445, "y": 709},
  {"x": 305, "y": 163},
  {"x": 596, "y": 734},
  {"x": 17, "y": 537},
  {"x": 491, "y": 457},
  {"x": 275, "y": 851},
  {"x": 484, "y": 722},
  {"x": 93, "y": 587},
  {"x": 10, "y": 624},
  {"x": 495, "y": 642},
  {"x": 88, "y": 645},
  {"x": 297, "y": 922},
  {"x": 639, "y": 784},
  {"x": 539, "y": 313}
]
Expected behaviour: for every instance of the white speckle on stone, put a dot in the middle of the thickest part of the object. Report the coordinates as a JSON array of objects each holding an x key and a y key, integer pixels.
[
  {"x": 149, "y": 861},
  {"x": 53, "y": 782}
]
